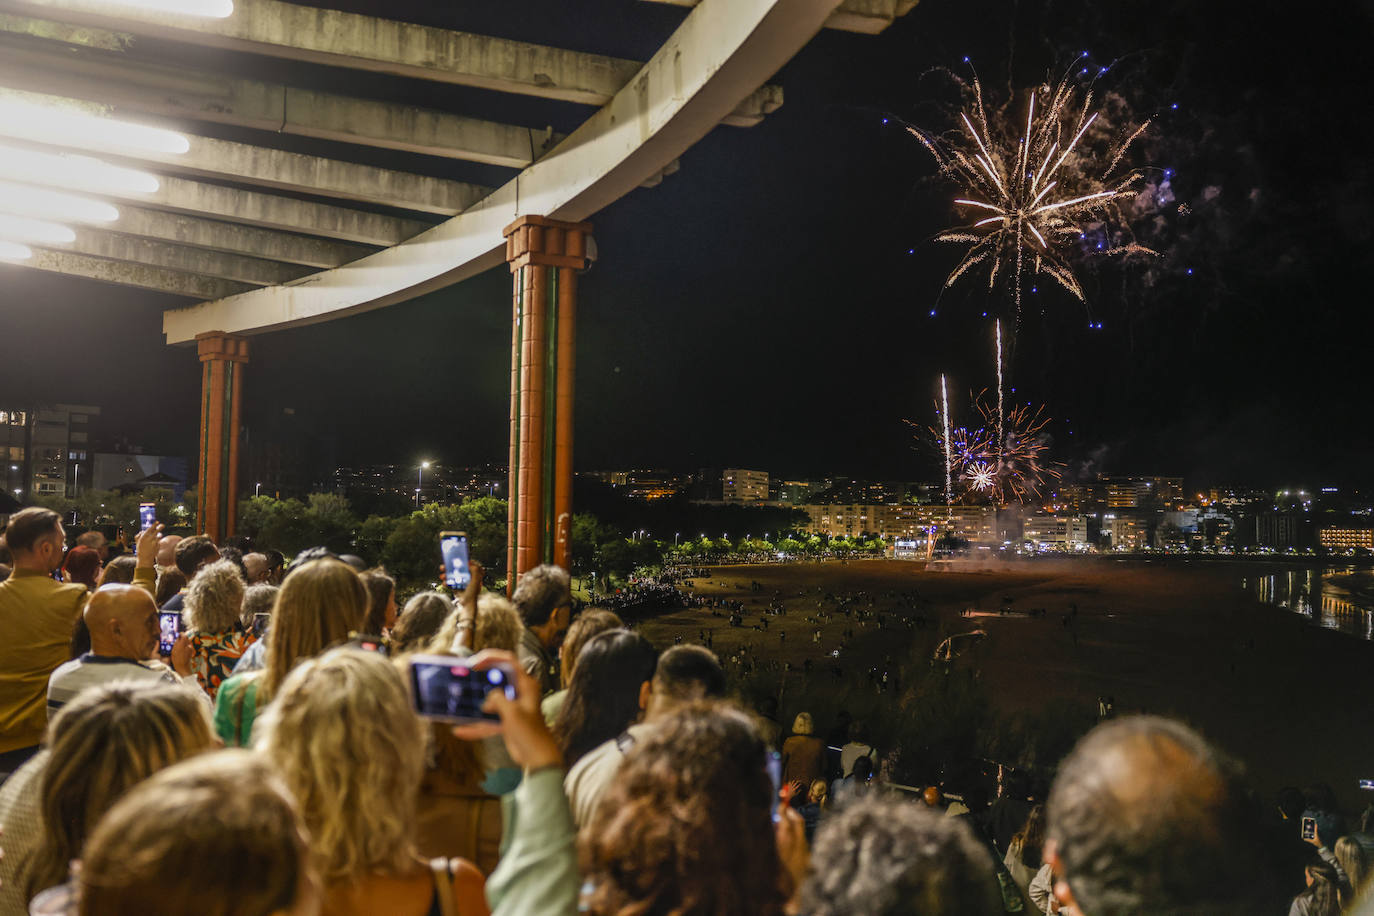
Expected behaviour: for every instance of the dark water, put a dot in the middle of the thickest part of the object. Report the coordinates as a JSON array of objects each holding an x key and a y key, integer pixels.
[{"x": 1339, "y": 598}]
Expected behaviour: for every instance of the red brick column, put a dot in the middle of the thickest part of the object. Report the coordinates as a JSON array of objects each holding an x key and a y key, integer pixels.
[
  {"x": 544, "y": 255},
  {"x": 222, "y": 358}
]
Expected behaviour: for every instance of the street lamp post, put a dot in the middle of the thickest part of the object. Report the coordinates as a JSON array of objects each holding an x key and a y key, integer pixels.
[
  {"x": 420, "y": 483},
  {"x": 676, "y": 535},
  {"x": 258, "y": 490}
]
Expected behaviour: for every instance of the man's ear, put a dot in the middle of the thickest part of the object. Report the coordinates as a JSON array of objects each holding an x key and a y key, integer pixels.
[{"x": 1062, "y": 892}]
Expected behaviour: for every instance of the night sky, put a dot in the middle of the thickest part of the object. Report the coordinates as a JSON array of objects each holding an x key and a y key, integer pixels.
[{"x": 760, "y": 308}]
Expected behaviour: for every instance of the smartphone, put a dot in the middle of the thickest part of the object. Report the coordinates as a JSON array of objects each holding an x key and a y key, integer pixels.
[
  {"x": 261, "y": 620},
  {"x": 446, "y": 688},
  {"x": 773, "y": 764},
  {"x": 1309, "y": 828},
  {"x": 454, "y": 547},
  {"x": 1367, "y": 785},
  {"x": 169, "y": 629},
  {"x": 147, "y": 516}
]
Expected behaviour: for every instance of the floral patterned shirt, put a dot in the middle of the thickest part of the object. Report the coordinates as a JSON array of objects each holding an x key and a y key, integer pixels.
[{"x": 214, "y": 655}]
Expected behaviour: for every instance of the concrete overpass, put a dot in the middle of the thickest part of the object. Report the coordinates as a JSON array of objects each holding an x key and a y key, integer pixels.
[{"x": 263, "y": 237}]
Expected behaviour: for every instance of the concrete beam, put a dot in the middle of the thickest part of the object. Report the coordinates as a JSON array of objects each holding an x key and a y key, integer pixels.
[
  {"x": 113, "y": 246},
  {"x": 212, "y": 235},
  {"x": 127, "y": 274},
  {"x": 268, "y": 211},
  {"x": 720, "y": 53},
  {"x": 868, "y": 17},
  {"x": 340, "y": 39},
  {"x": 39, "y": 65},
  {"x": 273, "y": 168}
]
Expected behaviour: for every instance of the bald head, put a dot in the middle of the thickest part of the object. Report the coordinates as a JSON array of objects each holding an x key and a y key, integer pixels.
[
  {"x": 1145, "y": 816},
  {"x": 167, "y": 550},
  {"x": 123, "y": 622}
]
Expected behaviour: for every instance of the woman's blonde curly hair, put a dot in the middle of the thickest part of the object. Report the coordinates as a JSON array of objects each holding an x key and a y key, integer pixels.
[{"x": 342, "y": 734}]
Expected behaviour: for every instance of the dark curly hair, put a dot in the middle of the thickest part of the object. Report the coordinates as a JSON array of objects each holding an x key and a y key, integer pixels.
[
  {"x": 685, "y": 829},
  {"x": 886, "y": 857}
]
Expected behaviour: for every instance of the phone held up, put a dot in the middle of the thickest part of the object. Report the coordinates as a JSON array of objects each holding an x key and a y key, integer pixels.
[
  {"x": 169, "y": 630},
  {"x": 448, "y": 689},
  {"x": 1309, "y": 828},
  {"x": 147, "y": 516},
  {"x": 453, "y": 545}
]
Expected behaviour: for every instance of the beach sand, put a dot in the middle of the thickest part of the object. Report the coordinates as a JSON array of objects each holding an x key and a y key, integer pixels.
[{"x": 1288, "y": 698}]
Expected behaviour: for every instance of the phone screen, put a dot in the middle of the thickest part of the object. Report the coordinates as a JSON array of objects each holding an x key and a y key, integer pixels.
[
  {"x": 774, "y": 766},
  {"x": 147, "y": 516},
  {"x": 454, "y": 547},
  {"x": 169, "y": 628},
  {"x": 447, "y": 688},
  {"x": 1367, "y": 784},
  {"x": 1309, "y": 828},
  {"x": 261, "y": 620}
]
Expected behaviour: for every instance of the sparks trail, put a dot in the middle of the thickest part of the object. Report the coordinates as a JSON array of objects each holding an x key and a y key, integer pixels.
[{"x": 1030, "y": 188}]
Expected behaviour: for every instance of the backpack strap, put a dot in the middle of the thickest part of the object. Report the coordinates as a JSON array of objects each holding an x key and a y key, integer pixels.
[{"x": 442, "y": 869}]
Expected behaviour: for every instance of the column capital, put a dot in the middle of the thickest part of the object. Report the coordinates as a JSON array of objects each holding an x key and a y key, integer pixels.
[
  {"x": 550, "y": 242},
  {"x": 217, "y": 345}
]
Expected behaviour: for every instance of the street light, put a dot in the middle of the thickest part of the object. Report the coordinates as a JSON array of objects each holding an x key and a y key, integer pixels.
[
  {"x": 258, "y": 490},
  {"x": 676, "y": 535},
  {"x": 420, "y": 482}
]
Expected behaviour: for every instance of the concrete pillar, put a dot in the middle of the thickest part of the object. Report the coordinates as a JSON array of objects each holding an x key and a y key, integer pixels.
[
  {"x": 544, "y": 257},
  {"x": 222, "y": 358}
]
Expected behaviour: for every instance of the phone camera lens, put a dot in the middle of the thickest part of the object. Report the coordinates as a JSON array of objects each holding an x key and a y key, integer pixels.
[{"x": 495, "y": 676}]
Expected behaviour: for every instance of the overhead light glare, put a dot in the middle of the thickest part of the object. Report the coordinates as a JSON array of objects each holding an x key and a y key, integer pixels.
[
  {"x": 77, "y": 173},
  {"x": 209, "y": 9},
  {"x": 41, "y": 203},
  {"x": 13, "y": 251},
  {"x": 58, "y": 126},
  {"x": 37, "y": 231}
]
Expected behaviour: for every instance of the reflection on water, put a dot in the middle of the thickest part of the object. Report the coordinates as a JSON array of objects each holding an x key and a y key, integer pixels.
[{"x": 1337, "y": 598}]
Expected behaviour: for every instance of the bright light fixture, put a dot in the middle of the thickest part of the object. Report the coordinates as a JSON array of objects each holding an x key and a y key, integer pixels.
[
  {"x": 61, "y": 126},
  {"x": 40, "y": 203},
  {"x": 79, "y": 173},
  {"x": 210, "y": 9},
  {"x": 37, "y": 231},
  {"x": 13, "y": 251}
]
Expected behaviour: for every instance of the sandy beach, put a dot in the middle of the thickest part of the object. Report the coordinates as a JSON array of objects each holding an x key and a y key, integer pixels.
[{"x": 1288, "y": 698}]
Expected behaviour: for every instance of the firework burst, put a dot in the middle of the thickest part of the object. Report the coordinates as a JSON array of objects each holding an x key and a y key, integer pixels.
[
  {"x": 982, "y": 468},
  {"x": 1031, "y": 186}
]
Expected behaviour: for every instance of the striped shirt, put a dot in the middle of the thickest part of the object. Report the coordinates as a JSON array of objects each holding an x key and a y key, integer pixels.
[{"x": 91, "y": 670}]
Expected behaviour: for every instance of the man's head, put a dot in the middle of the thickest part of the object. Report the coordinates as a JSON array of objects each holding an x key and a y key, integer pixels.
[
  {"x": 193, "y": 553},
  {"x": 35, "y": 538},
  {"x": 123, "y": 622},
  {"x": 167, "y": 550},
  {"x": 1146, "y": 817},
  {"x": 898, "y": 859},
  {"x": 544, "y": 598},
  {"x": 97, "y": 542},
  {"x": 255, "y": 568},
  {"x": 685, "y": 673}
]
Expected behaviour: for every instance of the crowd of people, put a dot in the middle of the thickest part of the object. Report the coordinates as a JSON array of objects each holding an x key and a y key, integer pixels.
[{"x": 271, "y": 762}]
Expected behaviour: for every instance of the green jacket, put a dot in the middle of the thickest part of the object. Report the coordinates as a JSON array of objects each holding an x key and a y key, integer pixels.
[{"x": 538, "y": 872}]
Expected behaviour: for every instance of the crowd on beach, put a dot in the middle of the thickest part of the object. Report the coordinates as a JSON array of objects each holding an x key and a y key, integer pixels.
[{"x": 272, "y": 763}]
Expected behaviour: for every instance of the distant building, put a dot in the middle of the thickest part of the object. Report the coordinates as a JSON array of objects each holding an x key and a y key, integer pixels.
[
  {"x": 738, "y": 485},
  {"x": 1344, "y": 538},
  {"x": 46, "y": 449},
  {"x": 976, "y": 524},
  {"x": 1143, "y": 492},
  {"x": 797, "y": 492},
  {"x": 137, "y": 472},
  {"x": 1128, "y": 532},
  {"x": 1056, "y": 532},
  {"x": 1283, "y": 529}
]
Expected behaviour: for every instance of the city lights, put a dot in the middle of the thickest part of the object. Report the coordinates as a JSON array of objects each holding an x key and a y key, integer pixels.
[
  {"x": 24, "y": 118},
  {"x": 24, "y": 200},
  {"x": 76, "y": 173}
]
